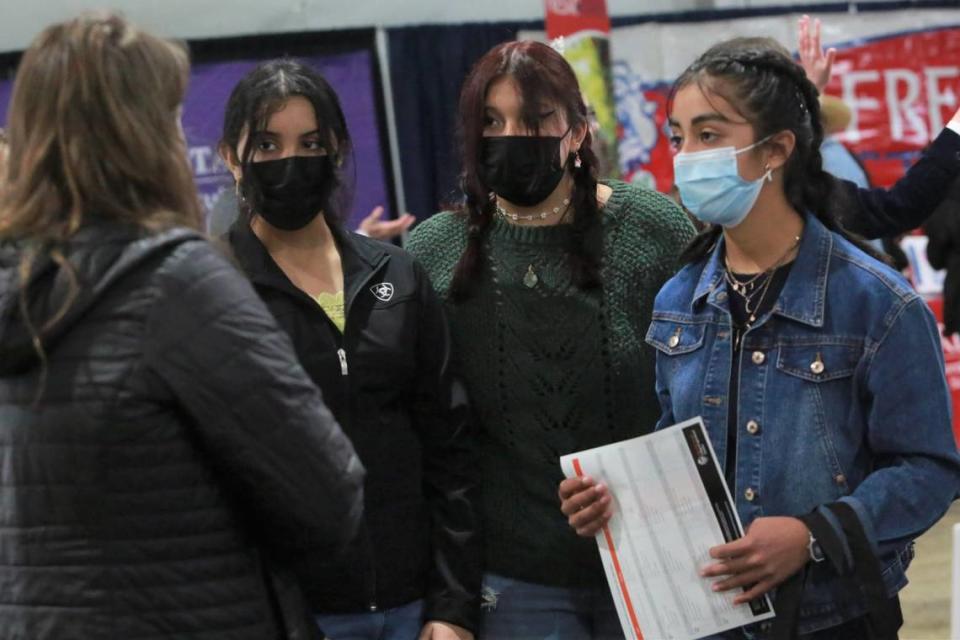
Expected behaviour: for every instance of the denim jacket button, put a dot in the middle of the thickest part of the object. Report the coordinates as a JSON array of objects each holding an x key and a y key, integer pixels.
[
  {"x": 758, "y": 357},
  {"x": 673, "y": 341},
  {"x": 721, "y": 296},
  {"x": 753, "y": 428},
  {"x": 749, "y": 494},
  {"x": 817, "y": 366},
  {"x": 840, "y": 478}
]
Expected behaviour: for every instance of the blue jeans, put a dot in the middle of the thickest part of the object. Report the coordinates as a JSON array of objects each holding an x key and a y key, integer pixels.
[
  {"x": 517, "y": 610},
  {"x": 399, "y": 623}
]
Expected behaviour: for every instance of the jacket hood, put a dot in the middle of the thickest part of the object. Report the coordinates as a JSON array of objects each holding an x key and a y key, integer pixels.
[{"x": 98, "y": 255}]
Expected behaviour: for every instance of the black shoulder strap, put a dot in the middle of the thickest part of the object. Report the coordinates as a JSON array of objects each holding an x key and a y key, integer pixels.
[{"x": 884, "y": 617}]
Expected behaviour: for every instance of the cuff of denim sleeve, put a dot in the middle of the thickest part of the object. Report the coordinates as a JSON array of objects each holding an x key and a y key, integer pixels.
[{"x": 866, "y": 521}]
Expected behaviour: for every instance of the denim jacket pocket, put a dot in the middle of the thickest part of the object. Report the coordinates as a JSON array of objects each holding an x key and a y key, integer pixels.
[
  {"x": 817, "y": 376},
  {"x": 819, "y": 362},
  {"x": 673, "y": 337}
]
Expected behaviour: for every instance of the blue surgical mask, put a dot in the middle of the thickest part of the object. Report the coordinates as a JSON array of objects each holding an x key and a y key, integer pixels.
[{"x": 711, "y": 187}]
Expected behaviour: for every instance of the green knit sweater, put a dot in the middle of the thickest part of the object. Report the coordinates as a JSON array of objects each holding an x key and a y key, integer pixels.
[{"x": 553, "y": 369}]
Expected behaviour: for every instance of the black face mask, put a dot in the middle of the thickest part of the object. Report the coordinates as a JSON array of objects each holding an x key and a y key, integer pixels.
[
  {"x": 523, "y": 170},
  {"x": 291, "y": 192}
]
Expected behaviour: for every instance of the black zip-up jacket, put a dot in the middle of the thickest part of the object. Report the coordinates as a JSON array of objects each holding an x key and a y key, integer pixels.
[
  {"x": 166, "y": 452},
  {"x": 387, "y": 380}
]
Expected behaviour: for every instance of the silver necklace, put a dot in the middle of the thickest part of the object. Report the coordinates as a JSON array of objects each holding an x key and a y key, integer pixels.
[
  {"x": 543, "y": 215},
  {"x": 741, "y": 288},
  {"x": 530, "y": 278}
]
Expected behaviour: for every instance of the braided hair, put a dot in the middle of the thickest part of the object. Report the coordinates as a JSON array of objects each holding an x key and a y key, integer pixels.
[
  {"x": 541, "y": 75},
  {"x": 762, "y": 82}
]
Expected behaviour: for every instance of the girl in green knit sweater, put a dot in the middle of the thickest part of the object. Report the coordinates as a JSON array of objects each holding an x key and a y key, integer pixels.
[{"x": 549, "y": 279}]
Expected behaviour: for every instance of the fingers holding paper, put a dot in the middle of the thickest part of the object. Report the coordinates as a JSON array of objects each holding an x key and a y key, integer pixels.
[
  {"x": 587, "y": 505},
  {"x": 772, "y": 550}
]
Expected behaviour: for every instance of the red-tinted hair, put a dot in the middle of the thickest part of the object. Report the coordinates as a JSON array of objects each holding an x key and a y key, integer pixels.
[{"x": 542, "y": 77}]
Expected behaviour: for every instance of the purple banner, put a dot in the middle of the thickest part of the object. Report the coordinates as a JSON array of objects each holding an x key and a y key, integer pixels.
[{"x": 351, "y": 76}]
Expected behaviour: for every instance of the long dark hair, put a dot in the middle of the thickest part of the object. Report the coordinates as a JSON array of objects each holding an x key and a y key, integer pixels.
[
  {"x": 263, "y": 92},
  {"x": 760, "y": 80},
  {"x": 542, "y": 76}
]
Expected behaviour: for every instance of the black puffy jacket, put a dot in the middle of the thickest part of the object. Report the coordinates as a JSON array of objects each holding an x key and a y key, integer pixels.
[
  {"x": 388, "y": 382},
  {"x": 166, "y": 454}
]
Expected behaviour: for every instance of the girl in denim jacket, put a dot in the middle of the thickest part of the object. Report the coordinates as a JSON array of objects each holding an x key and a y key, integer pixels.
[{"x": 817, "y": 370}]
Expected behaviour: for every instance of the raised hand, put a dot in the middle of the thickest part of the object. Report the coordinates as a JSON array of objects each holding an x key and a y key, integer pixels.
[{"x": 815, "y": 62}]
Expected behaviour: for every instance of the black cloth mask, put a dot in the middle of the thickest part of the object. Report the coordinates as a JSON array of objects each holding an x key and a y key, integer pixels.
[
  {"x": 289, "y": 193},
  {"x": 523, "y": 170}
]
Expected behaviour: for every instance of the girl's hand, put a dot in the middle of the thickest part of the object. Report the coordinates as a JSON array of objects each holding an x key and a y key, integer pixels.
[
  {"x": 587, "y": 505},
  {"x": 772, "y": 550}
]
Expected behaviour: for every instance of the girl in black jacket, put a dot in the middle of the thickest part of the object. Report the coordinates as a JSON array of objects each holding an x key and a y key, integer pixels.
[
  {"x": 369, "y": 330},
  {"x": 161, "y": 451}
]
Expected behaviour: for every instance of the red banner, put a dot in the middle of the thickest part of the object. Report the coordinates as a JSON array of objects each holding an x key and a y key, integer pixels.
[
  {"x": 901, "y": 91},
  {"x": 567, "y": 17}
]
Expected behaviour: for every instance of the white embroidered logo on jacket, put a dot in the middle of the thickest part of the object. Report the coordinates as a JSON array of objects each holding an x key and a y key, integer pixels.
[{"x": 383, "y": 291}]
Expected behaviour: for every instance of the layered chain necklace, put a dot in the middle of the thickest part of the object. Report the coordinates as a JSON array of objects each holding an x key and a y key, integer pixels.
[{"x": 754, "y": 290}]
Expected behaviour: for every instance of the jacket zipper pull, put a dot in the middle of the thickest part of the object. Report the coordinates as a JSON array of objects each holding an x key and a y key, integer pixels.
[{"x": 343, "y": 361}]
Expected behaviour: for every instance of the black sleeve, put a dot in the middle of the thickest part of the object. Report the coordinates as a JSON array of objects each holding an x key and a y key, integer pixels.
[
  {"x": 943, "y": 229},
  {"x": 884, "y": 213},
  {"x": 259, "y": 418},
  {"x": 451, "y": 472},
  {"x": 939, "y": 237}
]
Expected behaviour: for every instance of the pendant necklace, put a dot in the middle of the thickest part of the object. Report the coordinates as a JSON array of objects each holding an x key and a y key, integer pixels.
[{"x": 530, "y": 278}]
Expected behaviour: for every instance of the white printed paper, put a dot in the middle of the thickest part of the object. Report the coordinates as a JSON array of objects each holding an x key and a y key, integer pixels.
[{"x": 671, "y": 505}]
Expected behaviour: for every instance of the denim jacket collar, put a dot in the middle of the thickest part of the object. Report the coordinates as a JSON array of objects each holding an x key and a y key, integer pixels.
[{"x": 804, "y": 294}]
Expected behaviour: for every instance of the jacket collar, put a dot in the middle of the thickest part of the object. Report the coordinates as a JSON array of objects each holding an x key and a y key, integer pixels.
[
  {"x": 804, "y": 294},
  {"x": 360, "y": 257}
]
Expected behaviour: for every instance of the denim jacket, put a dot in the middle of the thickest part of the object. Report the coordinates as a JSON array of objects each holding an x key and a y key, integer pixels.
[{"x": 842, "y": 396}]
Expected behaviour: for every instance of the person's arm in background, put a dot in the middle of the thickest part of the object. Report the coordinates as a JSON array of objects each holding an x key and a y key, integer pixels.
[
  {"x": 384, "y": 230},
  {"x": 876, "y": 213}
]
